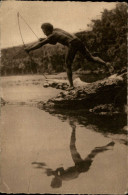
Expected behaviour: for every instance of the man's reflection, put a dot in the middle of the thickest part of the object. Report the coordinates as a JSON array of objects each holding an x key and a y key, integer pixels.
[{"x": 80, "y": 165}]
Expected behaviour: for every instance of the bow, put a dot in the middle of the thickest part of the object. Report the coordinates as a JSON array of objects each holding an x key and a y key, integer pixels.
[{"x": 33, "y": 64}]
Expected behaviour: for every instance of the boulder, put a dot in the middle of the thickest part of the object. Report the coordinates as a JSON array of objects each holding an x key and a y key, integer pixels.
[
  {"x": 111, "y": 90},
  {"x": 46, "y": 85}
]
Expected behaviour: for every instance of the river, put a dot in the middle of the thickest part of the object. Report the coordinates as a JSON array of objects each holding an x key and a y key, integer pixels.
[{"x": 48, "y": 153}]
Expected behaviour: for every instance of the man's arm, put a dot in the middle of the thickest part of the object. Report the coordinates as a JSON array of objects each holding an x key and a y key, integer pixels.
[{"x": 37, "y": 45}]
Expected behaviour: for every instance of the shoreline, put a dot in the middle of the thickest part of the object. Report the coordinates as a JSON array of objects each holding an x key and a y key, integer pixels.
[{"x": 83, "y": 93}]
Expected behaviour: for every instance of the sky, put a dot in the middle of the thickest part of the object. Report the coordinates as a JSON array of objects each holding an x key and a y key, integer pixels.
[{"x": 67, "y": 15}]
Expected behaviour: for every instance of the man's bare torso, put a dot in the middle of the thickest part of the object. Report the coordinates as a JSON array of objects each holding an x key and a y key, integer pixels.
[{"x": 60, "y": 36}]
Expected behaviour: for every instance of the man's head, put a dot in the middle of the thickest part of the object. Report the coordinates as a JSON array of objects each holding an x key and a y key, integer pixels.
[
  {"x": 56, "y": 182},
  {"x": 47, "y": 28}
]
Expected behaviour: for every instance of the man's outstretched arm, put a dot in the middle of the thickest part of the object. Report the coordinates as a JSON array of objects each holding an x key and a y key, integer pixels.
[{"x": 37, "y": 45}]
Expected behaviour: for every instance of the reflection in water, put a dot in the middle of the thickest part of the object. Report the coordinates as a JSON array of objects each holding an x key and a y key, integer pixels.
[
  {"x": 80, "y": 165},
  {"x": 102, "y": 123}
]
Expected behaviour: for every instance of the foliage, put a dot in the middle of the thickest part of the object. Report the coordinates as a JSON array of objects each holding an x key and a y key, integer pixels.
[{"x": 108, "y": 37}]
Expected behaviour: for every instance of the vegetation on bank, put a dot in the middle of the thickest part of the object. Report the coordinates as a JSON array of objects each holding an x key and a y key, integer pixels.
[{"x": 107, "y": 39}]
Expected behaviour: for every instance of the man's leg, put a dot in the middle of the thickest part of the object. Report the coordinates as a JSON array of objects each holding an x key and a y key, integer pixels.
[
  {"x": 100, "y": 61},
  {"x": 92, "y": 58},
  {"x": 69, "y": 75},
  {"x": 89, "y": 56},
  {"x": 74, "y": 153},
  {"x": 98, "y": 150},
  {"x": 69, "y": 59}
]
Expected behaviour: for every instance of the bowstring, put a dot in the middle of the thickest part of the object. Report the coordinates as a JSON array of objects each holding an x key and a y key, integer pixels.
[
  {"x": 27, "y": 25},
  {"x": 20, "y": 29},
  {"x": 22, "y": 36}
]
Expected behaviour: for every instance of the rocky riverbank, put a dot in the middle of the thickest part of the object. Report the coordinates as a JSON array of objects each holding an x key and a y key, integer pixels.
[{"x": 107, "y": 96}]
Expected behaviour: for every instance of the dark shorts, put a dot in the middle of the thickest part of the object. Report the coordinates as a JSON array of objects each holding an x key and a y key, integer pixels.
[{"x": 74, "y": 46}]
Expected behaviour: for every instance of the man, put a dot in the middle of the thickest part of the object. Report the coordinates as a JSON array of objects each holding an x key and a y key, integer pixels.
[
  {"x": 74, "y": 44},
  {"x": 80, "y": 165}
]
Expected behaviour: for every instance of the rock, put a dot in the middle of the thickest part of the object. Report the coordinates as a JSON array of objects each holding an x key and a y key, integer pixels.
[
  {"x": 96, "y": 71},
  {"x": 53, "y": 84},
  {"x": 78, "y": 83},
  {"x": 106, "y": 109},
  {"x": 46, "y": 85},
  {"x": 82, "y": 95},
  {"x": 111, "y": 90},
  {"x": 65, "y": 86},
  {"x": 59, "y": 95},
  {"x": 63, "y": 94},
  {"x": 58, "y": 84},
  {"x": 125, "y": 128}
]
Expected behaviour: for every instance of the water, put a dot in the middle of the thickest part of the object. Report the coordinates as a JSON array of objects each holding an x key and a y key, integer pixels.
[{"x": 56, "y": 153}]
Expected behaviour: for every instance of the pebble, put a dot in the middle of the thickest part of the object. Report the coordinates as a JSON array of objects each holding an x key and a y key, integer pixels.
[{"x": 46, "y": 85}]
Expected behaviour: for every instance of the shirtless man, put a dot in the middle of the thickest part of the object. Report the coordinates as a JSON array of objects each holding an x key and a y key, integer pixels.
[{"x": 74, "y": 44}]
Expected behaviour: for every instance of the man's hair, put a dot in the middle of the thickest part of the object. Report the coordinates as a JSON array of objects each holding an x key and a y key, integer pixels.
[
  {"x": 47, "y": 26},
  {"x": 56, "y": 182}
]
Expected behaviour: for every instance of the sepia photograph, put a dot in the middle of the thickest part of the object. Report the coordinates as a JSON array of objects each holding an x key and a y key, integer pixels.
[{"x": 63, "y": 95}]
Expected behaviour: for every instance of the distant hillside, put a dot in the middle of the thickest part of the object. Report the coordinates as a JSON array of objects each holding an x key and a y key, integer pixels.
[
  {"x": 16, "y": 61},
  {"x": 107, "y": 39}
]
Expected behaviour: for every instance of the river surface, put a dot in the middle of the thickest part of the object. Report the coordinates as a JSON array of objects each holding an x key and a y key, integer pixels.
[{"x": 47, "y": 153}]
